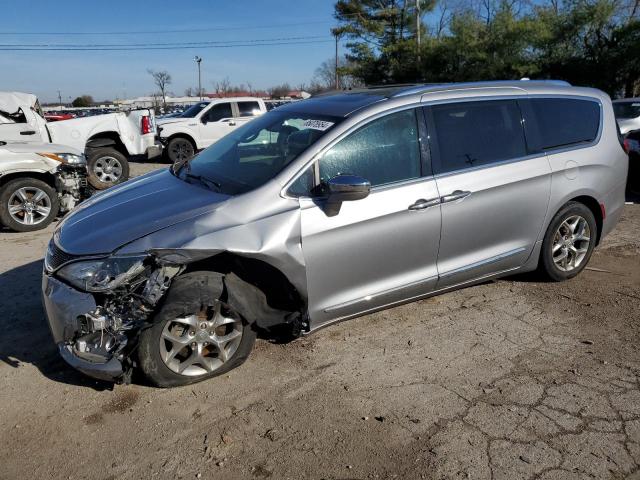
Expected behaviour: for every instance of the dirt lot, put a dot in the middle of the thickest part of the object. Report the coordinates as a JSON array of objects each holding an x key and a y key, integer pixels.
[{"x": 511, "y": 379}]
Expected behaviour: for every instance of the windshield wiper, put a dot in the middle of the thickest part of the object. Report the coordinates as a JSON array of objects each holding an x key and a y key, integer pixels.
[{"x": 204, "y": 180}]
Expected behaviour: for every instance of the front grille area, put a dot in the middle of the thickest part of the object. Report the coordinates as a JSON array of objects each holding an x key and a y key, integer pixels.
[{"x": 56, "y": 257}]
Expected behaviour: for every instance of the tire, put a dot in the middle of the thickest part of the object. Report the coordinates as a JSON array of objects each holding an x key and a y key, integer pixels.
[
  {"x": 17, "y": 204},
  {"x": 180, "y": 149},
  {"x": 178, "y": 334},
  {"x": 106, "y": 167},
  {"x": 566, "y": 243}
]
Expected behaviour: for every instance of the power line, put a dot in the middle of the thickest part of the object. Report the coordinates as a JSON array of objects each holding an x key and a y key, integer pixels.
[
  {"x": 161, "y": 44},
  {"x": 177, "y": 47}
]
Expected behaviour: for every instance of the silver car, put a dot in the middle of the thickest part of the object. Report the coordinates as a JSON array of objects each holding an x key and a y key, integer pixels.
[{"x": 327, "y": 209}]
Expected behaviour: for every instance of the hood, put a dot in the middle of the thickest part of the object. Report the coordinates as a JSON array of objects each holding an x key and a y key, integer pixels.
[
  {"x": 11, "y": 102},
  {"x": 132, "y": 210},
  {"x": 167, "y": 121},
  {"x": 26, "y": 147}
]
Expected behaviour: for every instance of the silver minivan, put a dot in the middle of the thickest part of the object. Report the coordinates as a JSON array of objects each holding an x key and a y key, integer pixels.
[{"x": 327, "y": 209}]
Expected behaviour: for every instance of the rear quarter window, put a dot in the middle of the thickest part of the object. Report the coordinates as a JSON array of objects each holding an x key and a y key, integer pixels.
[{"x": 564, "y": 122}]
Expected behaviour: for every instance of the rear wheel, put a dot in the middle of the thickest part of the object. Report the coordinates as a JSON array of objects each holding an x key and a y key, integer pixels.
[
  {"x": 28, "y": 204},
  {"x": 106, "y": 167},
  {"x": 194, "y": 336},
  {"x": 180, "y": 149},
  {"x": 569, "y": 242}
]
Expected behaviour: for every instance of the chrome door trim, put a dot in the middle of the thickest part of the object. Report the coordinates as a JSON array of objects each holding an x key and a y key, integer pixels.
[
  {"x": 367, "y": 298},
  {"x": 482, "y": 263},
  {"x": 414, "y": 298}
]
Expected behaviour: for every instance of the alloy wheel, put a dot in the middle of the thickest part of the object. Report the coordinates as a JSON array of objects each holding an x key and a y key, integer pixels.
[
  {"x": 108, "y": 169},
  {"x": 198, "y": 344},
  {"x": 181, "y": 150},
  {"x": 571, "y": 243},
  {"x": 29, "y": 205}
]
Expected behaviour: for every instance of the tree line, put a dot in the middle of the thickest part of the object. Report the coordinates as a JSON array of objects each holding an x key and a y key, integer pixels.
[{"x": 585, "y": 42}]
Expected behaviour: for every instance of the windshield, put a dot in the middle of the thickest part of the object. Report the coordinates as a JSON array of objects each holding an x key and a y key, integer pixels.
[
  {"x": 193, "y": 110},
  {"x": 254, "y": 153},
  {"x": 627, "y": 109}
]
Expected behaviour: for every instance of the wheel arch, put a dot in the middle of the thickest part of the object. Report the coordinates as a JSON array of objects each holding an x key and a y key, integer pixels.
[
  {"x": 184, "y": 135},
  {"x": 48, "y": 178},
  {"x": 592, "y": 204},
  {"x": 280, "y": 294},
  {"x": 106, "y": 139}
]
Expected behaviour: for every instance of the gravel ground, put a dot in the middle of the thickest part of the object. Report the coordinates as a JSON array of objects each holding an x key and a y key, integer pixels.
[{"x": 507, "y": 380}]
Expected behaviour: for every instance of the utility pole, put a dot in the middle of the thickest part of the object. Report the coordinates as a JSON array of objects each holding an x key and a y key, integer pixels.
[
  {"x": 418, "y": 29},
  {"x": 59, "y": 98},
  {"x": 197, "y": 59},
  {"x": 337, "y": 79}
]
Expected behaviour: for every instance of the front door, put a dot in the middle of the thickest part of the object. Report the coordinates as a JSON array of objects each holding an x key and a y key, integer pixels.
[
  {"x": 381, "y": 249},
  {"x": 215, "y": 123},
  {"x": 494, "y": 195}
]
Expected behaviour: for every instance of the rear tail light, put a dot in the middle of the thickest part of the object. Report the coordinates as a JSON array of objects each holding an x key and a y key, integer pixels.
[
  {"x": 626, "y": 144},
  {"x": 145, "y": 125}
]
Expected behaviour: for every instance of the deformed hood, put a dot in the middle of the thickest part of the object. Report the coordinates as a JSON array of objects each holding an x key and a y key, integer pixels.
[
  {"x": 132, "y": 210},
  {"x": 10, "y": 102}
]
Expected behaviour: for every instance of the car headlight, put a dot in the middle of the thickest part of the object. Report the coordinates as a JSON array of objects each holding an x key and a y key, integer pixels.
[
  {"x": 67, "y": 158},
  {"x": 104, "y": 274}
]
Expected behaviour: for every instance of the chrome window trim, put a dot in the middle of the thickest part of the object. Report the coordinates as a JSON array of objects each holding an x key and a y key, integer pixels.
[
  {"x": 352, "y": 129},
  {"x": 425, "y": 102},
  {"x": 531, "y": 156}
]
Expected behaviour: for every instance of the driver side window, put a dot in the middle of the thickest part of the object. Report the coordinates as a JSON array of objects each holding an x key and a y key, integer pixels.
[
  {"x": 384, "y": 151},
  {"x": 218, "y": 112}
]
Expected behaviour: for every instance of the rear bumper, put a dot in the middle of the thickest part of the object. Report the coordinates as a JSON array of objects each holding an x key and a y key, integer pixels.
[
  {"x": 154, "y": 151},
  {"x": 63, "y": 305}
]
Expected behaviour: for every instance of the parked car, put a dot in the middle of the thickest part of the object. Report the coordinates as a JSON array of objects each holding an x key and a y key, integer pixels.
[
  {"x": 627, "y": 112},
  {"x": 327, "y": 209},
  {"x": 107, "y": 140},
  {"x": 205, "y": 123},
  {"x": 57, "y": 116},
  {"x": 38, "y": 181}
]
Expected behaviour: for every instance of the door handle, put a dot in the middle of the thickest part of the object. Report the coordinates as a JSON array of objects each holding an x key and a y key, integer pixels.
[
  {"x": 28, "y": 132},
  {"x": 230, "y": 122},
  {"x": 456, "y": 195},
  {"x": 421, "y": 203}
]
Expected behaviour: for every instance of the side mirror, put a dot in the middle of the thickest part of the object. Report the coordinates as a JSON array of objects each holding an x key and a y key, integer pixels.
[
  {"x": 204, "y": 120},
  {"x": 345, "y": 188}
]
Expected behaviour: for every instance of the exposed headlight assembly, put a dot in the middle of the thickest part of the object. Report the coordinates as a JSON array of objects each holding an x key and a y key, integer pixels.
[
  {"x": 66, "y": 158},
  {"x": 104, "y": 274}
]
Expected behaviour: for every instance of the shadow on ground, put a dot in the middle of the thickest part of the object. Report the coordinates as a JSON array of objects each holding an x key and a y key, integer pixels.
[{"x": 26, "y": 338}]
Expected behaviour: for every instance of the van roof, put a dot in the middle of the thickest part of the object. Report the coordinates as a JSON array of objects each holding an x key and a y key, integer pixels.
[{"x": 342, "y": 103}]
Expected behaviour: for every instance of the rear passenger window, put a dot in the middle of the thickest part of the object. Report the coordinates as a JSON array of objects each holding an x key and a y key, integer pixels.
[
  {"x": 564, "y": 122},
  {"x": 473, "y": 134},
  {"x": 384, "y": 151},
  {"x": 248, "y": 109}
]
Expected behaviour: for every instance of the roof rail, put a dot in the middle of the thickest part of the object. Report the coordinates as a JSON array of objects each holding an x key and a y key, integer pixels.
[{"x": 433, "y": 87}]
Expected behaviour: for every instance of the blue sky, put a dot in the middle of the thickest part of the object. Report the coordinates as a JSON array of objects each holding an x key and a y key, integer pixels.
[{"x": 114, "y": 74}]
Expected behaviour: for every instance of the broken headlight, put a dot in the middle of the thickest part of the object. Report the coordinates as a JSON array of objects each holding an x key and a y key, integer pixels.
[{"x": 104, "y": 274}]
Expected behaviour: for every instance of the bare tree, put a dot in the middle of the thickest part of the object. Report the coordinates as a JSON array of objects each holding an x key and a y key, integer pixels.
[
  {"x": 223, "y": 86},
  {"x": 325, "y": 75},
  {"x": 162, "y": 79}
]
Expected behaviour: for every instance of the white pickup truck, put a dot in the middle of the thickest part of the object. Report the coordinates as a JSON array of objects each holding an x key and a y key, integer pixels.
[
  {"x": 205, "y": 123},
  {"x": 107, "y": 140}
]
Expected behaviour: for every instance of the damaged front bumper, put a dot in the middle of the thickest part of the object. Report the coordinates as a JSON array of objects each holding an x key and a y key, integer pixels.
[{"x": 65, "y": 307}]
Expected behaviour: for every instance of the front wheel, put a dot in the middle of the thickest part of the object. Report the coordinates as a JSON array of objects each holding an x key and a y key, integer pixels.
[
  {"x": 180, "y": 149},
  {"x": 28, "y": 204},
  {"x": 569, "y": 242},
  {"x": 195, "y": 335},
  {"x": 106, "y": 167}
]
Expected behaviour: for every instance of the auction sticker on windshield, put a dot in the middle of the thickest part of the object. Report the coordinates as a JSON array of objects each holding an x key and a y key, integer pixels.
[{"x": 317, "y": 124}]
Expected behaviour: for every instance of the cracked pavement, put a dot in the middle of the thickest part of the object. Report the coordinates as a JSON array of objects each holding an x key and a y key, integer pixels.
[{"x": 513, "y": 379}]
